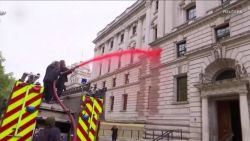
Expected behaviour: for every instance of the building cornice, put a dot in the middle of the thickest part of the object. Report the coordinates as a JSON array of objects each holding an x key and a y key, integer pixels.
[
  {"x": 120, "y": 19},
  {"x": 129, "y": 67},
  {"x": 187, "y": 26},
  {"x": 229, "y": 43}
]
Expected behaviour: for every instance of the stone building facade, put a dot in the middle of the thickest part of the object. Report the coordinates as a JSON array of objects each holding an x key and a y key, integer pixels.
[
  {"x": 78, "y": 77},
  {"x": 199, "y": 83}
]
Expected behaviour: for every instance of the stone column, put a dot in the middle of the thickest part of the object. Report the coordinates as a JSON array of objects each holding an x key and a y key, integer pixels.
[
  {"x": 205, "y": 122},
  {"x": 139, "y": 33},
  {"x": 244, "y": 116},
  {"x": 126, "y": 38},
  {"x": 125, "y": 60},
  {"x": 169, "y": 15},
  {"x": 148, "y": 22},
  {"x": 161, "y": 19}
]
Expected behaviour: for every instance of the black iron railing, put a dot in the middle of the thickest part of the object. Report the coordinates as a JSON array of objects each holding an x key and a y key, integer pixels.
[
  {"x": 159, "y": 134},
  {"x": 123, "y": 133}
]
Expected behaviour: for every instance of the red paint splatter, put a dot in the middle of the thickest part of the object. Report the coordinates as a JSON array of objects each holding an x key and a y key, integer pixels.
[{"x": 148, "y": 53}]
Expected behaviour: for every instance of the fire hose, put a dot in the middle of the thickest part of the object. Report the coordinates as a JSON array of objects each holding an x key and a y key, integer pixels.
[{"x": 65, "y": 110}]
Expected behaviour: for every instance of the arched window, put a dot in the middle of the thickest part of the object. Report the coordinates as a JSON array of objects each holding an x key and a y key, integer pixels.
[{"x": 227, "y": 74}]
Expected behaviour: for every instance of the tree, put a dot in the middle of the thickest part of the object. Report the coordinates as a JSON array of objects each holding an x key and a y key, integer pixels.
[{"x": 6, "y": 81}]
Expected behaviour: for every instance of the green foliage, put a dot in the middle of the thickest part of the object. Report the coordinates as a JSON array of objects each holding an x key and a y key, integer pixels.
[{"x": 6, "y": 80}]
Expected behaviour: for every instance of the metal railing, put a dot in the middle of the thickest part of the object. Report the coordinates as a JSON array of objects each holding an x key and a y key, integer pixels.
[
  {"x": 123, "y": 133},
  {"x": 158, "y": 134}
]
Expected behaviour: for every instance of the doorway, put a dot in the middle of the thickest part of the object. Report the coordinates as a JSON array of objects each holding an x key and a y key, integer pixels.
[{"x": 229, "y": 124}]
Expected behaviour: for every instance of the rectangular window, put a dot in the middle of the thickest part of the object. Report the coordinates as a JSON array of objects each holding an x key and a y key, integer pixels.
[
  {"x": 181, "y": 48},
  {"x": 109, "y": 65},
  {"x": 104, "y": 84},
  {"x": 122, "y": 38},
  {"x": 156, "y": 5},
  {"x": 134, "y": 30},
  {"x": 191, "y": 13},
  {"x": 95, "y": 86},
  {"x": 222, "y": 32},
  {"x": 125, "y": 99},
  {"x": 127, "y": 78},
  {"x": 103, "y": 49},
  {"x": 111, "y": 44},
  {"x": 112, "y": 100},
  {"x": 114, "y": 82},
  {"x": 182, "y": 88},
  {"x": 155, "y": 33}
]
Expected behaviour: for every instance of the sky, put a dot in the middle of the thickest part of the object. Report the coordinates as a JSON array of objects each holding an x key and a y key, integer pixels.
[{"x": 35, "y": 33}]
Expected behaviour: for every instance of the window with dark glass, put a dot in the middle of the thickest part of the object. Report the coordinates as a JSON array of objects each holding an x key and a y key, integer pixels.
[
  {"x": 134, "y": 30},
  {"x": 222, "y": 32},
  {"x": 95, "y": 86},
  {"x": 103, "y": 49},
  {"x": 182, "y": 88},
  {"x": 109, "y": 65},
  {"x": 103, "y": 84},
  {"x": 191, "y": 13},
  {"x": 181, "y": 48},
  {"x": 155, "y": 30},
  {"x": 122, "y": 38},
  {"x": 114, "y": 82},
  {"x": 156, "y": 5},
  {"x": 111, "y": 44},
  {"x": 112, "y": 100},
  {"x": 127, "y": 78},
  {"x": 227, "y": 74},
  {"x": 125, "y": 99}
]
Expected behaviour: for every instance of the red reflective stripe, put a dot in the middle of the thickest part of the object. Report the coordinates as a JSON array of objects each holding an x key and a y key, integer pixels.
[
  {"x": 8, "y": 125},
  {"x": 7, "y": 137},
  {"x": 86, "y": 122},
  {"x": 94, "y": 120},
  {"x": 23, "y": 127},
  {"x": 33, "y": 100},
  {"x": 17, "y": 98},
  {"x": 96, "y": 110},
  {"x": 83, "y": 133},
  {"x": 92, "y": 131},
  {"x": 25, "y": 137},
  {"x": 12, "y": 111}
]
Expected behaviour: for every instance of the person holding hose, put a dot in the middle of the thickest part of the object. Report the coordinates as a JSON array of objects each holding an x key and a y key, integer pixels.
[{"x": 64, "y": 72}]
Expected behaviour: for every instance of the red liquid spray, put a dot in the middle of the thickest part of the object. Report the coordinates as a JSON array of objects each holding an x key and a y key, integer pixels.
[{"x": 148, "y": 53}]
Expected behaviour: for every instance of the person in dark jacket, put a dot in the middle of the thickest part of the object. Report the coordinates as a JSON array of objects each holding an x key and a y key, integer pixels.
[
  {"x": 52, "y": 73},
  {"x": 49, "y": 133},
  {"x": 64, "y": 72},
  {"x": 114, "y": 130}
]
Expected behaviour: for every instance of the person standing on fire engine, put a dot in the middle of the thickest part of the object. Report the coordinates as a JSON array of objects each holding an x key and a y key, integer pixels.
[
  {"x": 64, "y": 72},
  {"x": 52, "y": 73}
]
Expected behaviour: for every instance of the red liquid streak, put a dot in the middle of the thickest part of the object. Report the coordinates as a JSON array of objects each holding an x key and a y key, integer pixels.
[{"x": 147, "y": 53}]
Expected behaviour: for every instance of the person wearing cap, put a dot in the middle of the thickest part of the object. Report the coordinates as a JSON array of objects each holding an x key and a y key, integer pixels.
[{"x": 49, "y": 133}]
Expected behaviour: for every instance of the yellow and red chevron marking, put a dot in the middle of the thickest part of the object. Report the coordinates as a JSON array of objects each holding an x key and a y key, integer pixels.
[
  {"x": 18, "y": 122},
  {"x": 97, "y": 110},
  {"x": 92, "y": 108},
  {"x": 83, "y": 124}
]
